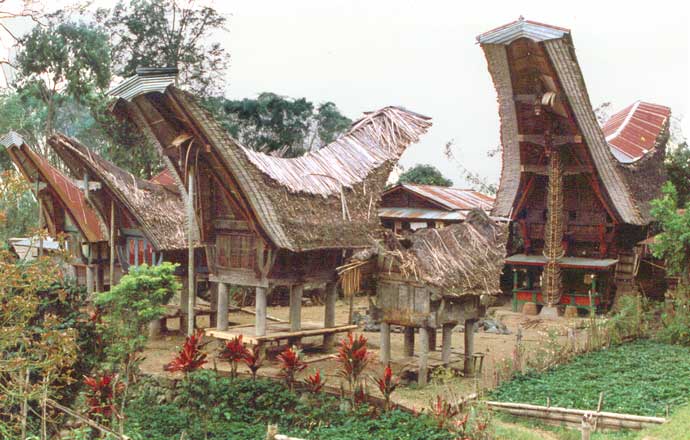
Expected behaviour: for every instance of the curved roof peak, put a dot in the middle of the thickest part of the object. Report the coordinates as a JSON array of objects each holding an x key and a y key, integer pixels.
[
  {"x": 522, "y": 28},
  {"x": 636, "y": 130}
]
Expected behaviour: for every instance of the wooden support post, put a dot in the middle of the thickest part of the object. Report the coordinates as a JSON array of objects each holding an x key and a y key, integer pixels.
[
  {"x": 446, "y": 341},
  {"x": 409, "y": 341},
  {"x": 112, "y": 244},
  {"x": 432, "y": 339},
  {"x": 155, "y": 329},
  {"x": 89, "y": 280},
  {"x": 184, "y": 304},
  {"x": 469, "y": 346},
  {"x": 385, "y": 352},
  {"x": 296, "y": 292},
  {"x": 191, "y": 298},
  {"x": 423, "y": 355},
  {"x": 40, "y": 222},
  {"x": 213, "y": 316},
  {"x": 260, "y": 311},
  {"x": 329, "y": 313},
  {"x": 222, "y": 306}
]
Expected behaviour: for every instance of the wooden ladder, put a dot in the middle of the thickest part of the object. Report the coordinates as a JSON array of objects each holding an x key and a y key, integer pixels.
[{"x": 625, "y": 273}]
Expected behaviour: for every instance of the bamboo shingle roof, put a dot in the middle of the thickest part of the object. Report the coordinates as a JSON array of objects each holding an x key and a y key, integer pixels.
[{"x": 628, "y": 186}]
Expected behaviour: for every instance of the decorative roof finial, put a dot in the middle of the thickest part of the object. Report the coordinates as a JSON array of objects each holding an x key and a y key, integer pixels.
[{"x": 521, "y": 18}]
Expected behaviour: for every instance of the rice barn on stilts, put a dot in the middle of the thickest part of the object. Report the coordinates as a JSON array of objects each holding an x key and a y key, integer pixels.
[
  {"x": 64, "y": 212},
  {"x": 431, "y": 280},
  {"x": 267, "y": 221},
  {"x": 577, "y": 195},
  {"x": 145, "y": 218}
]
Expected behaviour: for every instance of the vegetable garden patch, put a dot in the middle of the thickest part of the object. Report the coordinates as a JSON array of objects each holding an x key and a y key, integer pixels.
[{"x": 641, "y": 378}]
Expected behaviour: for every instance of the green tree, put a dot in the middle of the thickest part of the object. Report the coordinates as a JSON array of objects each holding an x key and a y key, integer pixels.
[
  {"x": 673, "y": 243},
  {"x": 139, "y": 298},
  {"x": 63, "y": 59},
  {"x": 273, "y": 123},
  {"x": 424, "y": 175},
  {"x": 678, "y": 171},
  {"x": 169, "y": 33}
]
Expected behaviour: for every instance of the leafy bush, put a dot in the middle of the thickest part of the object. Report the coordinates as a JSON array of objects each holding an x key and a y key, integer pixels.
[
  {"x": 675, "y": 320},
  {"x": 209, "y": 406},
  {"x": 637, "y": 378}
]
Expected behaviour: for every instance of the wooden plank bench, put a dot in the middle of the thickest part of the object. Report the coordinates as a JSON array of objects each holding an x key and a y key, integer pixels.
[{"x": 277, "y": 336}]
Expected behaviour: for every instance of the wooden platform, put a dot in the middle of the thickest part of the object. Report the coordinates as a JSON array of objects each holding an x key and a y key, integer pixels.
[{"x": 277, "y": 331}]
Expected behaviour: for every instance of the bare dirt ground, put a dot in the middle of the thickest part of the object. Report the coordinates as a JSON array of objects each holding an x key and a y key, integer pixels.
[{"x": 497, "y": 348}]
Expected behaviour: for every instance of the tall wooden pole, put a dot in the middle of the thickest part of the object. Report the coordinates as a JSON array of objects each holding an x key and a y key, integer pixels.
[
  {"x": 112, "y": 243},
  {"x": 190, "y": 243},
  {"x": 553, "y": 235}
]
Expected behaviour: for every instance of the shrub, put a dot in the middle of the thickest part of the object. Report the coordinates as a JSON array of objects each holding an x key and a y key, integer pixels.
[
  {"x": 190, "y": 358},
  {"x": 234, "y": 352},
  {"x": 290, "y": 365},
  {"x": 353, "y": 357},
  {"x": 252, "y": 360},
  {"x": 387, "y": 384},
  {"x": 315, "y": 383}
]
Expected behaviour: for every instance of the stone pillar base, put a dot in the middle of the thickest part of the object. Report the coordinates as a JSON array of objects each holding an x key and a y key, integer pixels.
[
  {"x": 549, "y": 312},
  {"x": 529, "y": 308},
  {"x": 570, "y": 312}
]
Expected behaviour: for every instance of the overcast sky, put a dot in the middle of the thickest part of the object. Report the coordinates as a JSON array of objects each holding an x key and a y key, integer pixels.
[
  {"x": 364, "y": 55},
  {"x": 423, "y": 55}
]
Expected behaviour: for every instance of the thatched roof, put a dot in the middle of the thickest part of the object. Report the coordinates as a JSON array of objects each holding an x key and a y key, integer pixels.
[
  {"x": 323, "y": 200},
  {"x": 460, "y": 259},
  {"x": 158, "y": 209},
  {"x": 557, "y": 55},
  {"x": 71, "y": 198}
]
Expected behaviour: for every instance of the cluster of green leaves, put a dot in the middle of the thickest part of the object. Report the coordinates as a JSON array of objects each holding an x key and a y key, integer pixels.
[
  {"x": 209, "y": 406},
  {"x": 637, "y": 378},
  {"x": 139, "y": 298},
  {"x": 673, "y": 243},
  {"x": 678, "y": 171},
  {"x": 424, "y": 175}
]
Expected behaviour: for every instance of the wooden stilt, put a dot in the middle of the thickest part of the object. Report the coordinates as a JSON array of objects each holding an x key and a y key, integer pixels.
[
  {"x": 99, "y": 278},
  {"x": 261, "y": 311},
  {"x": 222, "y": 306},
  {"x": 446, "y": 341},
  {"x": 155, "y": 329},
  {"x": 89, "y": 280},
  {"x": 423, "y": 355},
  {"x": 213, "y": 316},
  {"x": 329, "y": 313},
  {"x": 432, "y": 339},
  {"x": 184, "y": 304},
  {"x": 191, "y": 298},
  {"x": 112, "y": 244},
  {"x": 409, "y": 341},
  {"x": 469, "y": 345},
  {"x": 385, "y": 352},
  {"x": 296, "y": 292}
]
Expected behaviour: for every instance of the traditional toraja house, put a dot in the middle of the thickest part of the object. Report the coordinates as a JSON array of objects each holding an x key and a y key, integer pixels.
[
  {"x": 146, "y": 219},
  {"x": 267, "y": 221},
  {"x": 578, "y": 196},
  {"x": 406, "y": 207},
  {"x": 64, "y": 210},
  {"x": 431, "y": 280}
]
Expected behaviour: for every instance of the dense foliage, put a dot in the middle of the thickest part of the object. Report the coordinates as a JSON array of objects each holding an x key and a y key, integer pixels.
[
  {"x": 678, "y": 171},
  {"x": 273, "y": 123},
  {"x": 46, "y": 339},
  {"x": 637, "y": 378},
  {"x": 424, "y": 175},
  {"x": 217, "y": 407},
  {"x": 673, "y": 243}
]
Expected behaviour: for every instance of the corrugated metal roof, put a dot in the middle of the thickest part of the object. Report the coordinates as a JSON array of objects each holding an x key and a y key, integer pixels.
[
  {"x": 453, "y": 198},
  {"x": 145, "y": 81},
  {"x": 522, "y": 28},
  {"x": 634, "y": 131},
  {"x": 71, "y": 197},
  {"x": 163, "y": 178},
  {"x": 422, "y": 214}
]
